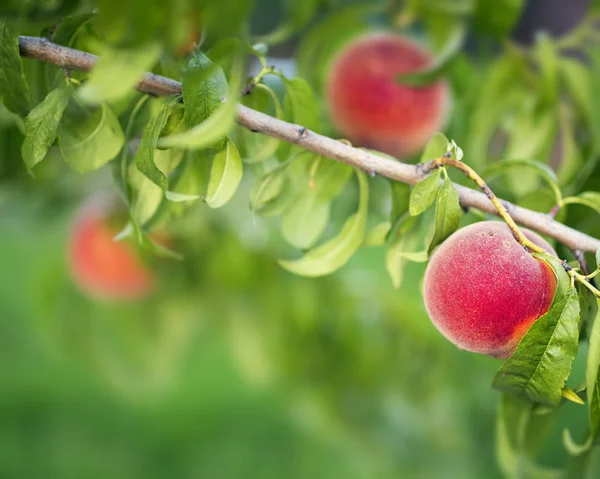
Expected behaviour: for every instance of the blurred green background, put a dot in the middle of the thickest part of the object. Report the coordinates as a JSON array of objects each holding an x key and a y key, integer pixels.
[{"x": 234, "y": 368}]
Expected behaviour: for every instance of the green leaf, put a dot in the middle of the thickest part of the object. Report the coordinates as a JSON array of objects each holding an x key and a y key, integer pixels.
[
  {"x": 436, "y": 148},
  {"x": 215, "y": 128},
  {"x": 87, "y": 144},
  {"x": 542, "y": 361},
  {"x": 424, "y": 192},
  {"x": 204, "y": 86},
  {"x": 305, "y": 221},
  {"x": 497, "y": 18},
  {"x": 297, "y": 15},
  {"x": 447, "y": 214},
  {"x": 598, "y": 258},
  {"x": 547, "y": 58},
  {"x": 14, "y": 90},
  {"x": 407, "y": 237},
  {"x": 490, "y": 103},
  {"x": 576, "y": 79},
  {"x": 333, "y": 254},
  {"x": 591, "y": 199},
  {"x": 225, "y": 176},
  {"x": 318, "y": 46},
  {"x": 517, "y": 431},
  {"x": 378, "y": 234},
  {"x": 41, "y": 125},
  {"x": 400, "y": 200},
  {"x": 543, "y": 170},
  {"x": 144, "y": 156},
  {"x": 442, "y": 62},
  {"x": 259, "y": 147},
  {"x": 300, "y": 106},
  {"x": 117, "y": 72},
  {"x": 66, "y": 33},
  {"x": 266, "y": 190}
]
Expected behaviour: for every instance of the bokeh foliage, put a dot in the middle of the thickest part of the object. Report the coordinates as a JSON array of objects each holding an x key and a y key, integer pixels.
[{"x": 236, "y": 365}]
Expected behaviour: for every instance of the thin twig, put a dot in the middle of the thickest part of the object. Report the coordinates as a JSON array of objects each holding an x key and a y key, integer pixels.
[{"x": 43, "y": 50}]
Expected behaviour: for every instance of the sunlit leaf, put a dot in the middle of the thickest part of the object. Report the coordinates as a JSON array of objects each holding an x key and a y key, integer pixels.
[
  {"x": 378, "y": 234},
  {"x": 591, "y": 199},
  {"x": 400, "y": 200},
  {"x": 144, "y": 157},
  {"x": 447, "y": 214},
  {"x": 435, "y": 148},
  {"x": 41, "y": 125},
  {"x": 576, "y": 78},
  {"x": 87, "y": 144},
  {"x": 259, "y": 147},
  {"x": 406, "y": 239},
  {"x": 14, "y": 90},
  {"x": 66, "y": 33},
  {"x": 215, "y": 127},
  {"x": 306, "y": 219},
  {"x": 204, "y": 87},
  {"x": 266, "y": 190},
  {"x": 424, "y": 193},
  {"x": 543, "y": 170},
  {"x": 117, "y": 72},
  {"x": 592, "y": 379},
  {"x": 542, "y": 361},
  {"x": 547, "y": 58},
  {"x": 225, "y": 176},
  {"x": 300, "y": 106},
  {"x": 333, "y": 254}
]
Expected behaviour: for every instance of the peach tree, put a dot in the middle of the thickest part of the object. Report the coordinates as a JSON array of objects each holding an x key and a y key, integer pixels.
[{"x": 183, "y": 103}]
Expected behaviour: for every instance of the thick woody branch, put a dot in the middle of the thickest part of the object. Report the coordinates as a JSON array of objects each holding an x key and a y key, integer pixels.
[{"x": 46, "y": 51}]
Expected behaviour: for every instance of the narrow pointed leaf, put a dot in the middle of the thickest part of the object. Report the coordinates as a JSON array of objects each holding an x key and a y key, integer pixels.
[
  {"x": 447, "y": 214},
  {"x": 441, "y": 64},
  {"x": 117, "y": 72},
  {"x": 542, "y": 361},
  {"x": 424, "y": 193},
  {"x": 90, "y": 143},
  {"x": 144, "y": 157},
  {"x": 225, "y": 176},
  {"x": 14, "y": 90},
  {"x": 333, "y": 254},
  {"x": 435, "y": 148},
  {"x": 204, "y": 86},
  {"x": 41, "y": 125}
]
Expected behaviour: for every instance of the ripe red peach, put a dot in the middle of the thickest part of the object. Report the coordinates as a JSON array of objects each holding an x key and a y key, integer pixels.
[
  {"x": 371, "y": 108},
  {"x": 100, "y": 266},
  {"x": 483, "y": 290}
]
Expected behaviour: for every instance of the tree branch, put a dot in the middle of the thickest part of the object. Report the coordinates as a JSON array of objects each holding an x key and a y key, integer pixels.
[{"x": 46, "y": 51}]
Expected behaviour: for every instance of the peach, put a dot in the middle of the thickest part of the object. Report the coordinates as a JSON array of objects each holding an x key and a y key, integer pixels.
[
  {"x": 100, "y": 266},
  {"x": 371, "y": 108},
  {"x": 483, "y": 290}
]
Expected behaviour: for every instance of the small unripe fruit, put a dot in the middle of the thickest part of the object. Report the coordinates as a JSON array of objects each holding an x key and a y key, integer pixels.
[
  {"x": 371, "y": 108},
  {"x": 483, "y": 290},
  {"x": 100, "y": 266}
]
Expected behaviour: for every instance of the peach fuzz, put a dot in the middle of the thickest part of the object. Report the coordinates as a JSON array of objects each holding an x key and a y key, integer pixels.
[
  {"x": 483, "y": 290},
  {"x": 100, "y": 266},
  {"x": 371, "y": 108}
]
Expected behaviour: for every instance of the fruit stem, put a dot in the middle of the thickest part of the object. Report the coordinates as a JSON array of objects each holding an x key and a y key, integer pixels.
[{"x": 502, "y": 211}]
